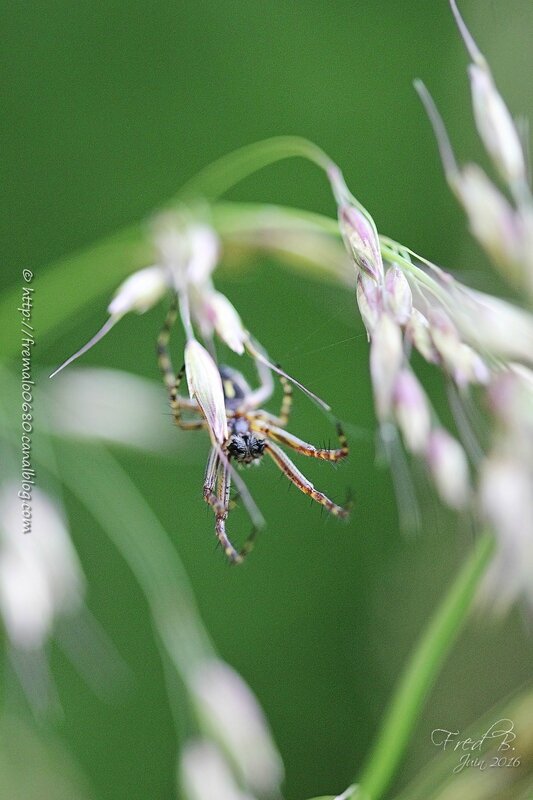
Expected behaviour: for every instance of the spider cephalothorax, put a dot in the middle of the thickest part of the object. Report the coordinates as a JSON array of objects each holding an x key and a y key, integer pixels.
[
  {"x": 252, "y": 432},
  {"x": 246, "y": 447}
]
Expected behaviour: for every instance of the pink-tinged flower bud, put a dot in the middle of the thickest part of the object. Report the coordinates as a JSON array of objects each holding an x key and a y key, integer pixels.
[
  {"x": 492, "y": 219},
  {"x": 417, "y": 331},
  {"x": 496, "y": 127},
  {"x": 205, "y": 386},
  {"x": 386, "y": 357},
  {"x": 462, "y": 362},
  {"x": 449, "y": 469},
  {"x": 361, "y": 241},
  {"x": 369, "y": 301},
  {"x": 217, "y": 312},
  {"x": 398, "y": 297},
  {"x": 411, "y": 411},
  {"x": 468, "y": 367},
  {"x": 140, "y": 291}
]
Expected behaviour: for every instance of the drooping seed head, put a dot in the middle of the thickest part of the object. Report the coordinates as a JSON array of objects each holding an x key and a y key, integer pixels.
[
  {"x": 411, "y": 411},
  {"x": 140, "y": 291},
  {"x": 496, "y": 127},
  {"x": 231, "y": 715},
  {"x": 449, "y": 469},
  {"x": 462, "y": 362},
  {"x": 506, "y": 503},
  {"x": 492, "y": 220},
  {"x": 361, "y": 241},
  {"x": 398, "y": 296},
  {"x": 386, "y": 357},
  {"x": 204, "y": 773},
  {"x": 205, "y": 386},
  {"x": 417, "y": 331},
  {"x": 40, "y": 574},
  {"x": 369, "y": 301},
  {"x": 214, "y": 311},
  {"x": 493, "y": 325},
  {"x": 190, "y": 250}
]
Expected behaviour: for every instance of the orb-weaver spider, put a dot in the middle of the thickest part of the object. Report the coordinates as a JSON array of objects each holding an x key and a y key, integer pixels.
[{"x": 252, "y": 433}]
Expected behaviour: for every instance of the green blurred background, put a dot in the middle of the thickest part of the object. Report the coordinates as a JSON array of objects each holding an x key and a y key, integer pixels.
[{"x": 111, "y": 107}]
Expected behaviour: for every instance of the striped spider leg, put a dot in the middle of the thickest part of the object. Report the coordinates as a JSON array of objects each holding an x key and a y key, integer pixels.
[
  {"x": 172, "y": 382},
  {"x": 286, "y": 465}
]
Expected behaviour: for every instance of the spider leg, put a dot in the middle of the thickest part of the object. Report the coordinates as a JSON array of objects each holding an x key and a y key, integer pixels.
[
  {"x": 221, "y": 513},
  {"x": 177, "y": 403},
  {"x": 264, "y": 391},
  {"x": 210, "y": 480},
  {"x": 289, "y": 469},
  {"x": 249, "y": 542},
  {"x": 279, "y": 435},
  {"x": 286, "y": 405}
]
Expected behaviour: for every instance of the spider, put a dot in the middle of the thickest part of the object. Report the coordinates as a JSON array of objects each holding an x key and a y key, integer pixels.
[{"x": 252, "y": 433}]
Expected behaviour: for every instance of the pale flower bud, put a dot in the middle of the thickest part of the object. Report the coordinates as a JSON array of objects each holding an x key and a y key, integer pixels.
[
  {"x": 190, "y": 251},
  {"x": 463, "y": 363},
  {"x": 140, "y": 291},
  {"x": 506, "y": 503},
  {"x": 492, "y": 219},
  {"x": 494, "y": 325},
  {"x": 369, "y": 301},
  {"x": 496, "y": 127},
  {"x": 511, "y": 400},
  {"x": 386, "y": 357},
  {"x": 40, "y": 574},
  {"x": 468, "y": 367},
  {"x": 205, "y": 386},
  {"x": 214, "y": 310},
  {"x": 398, "y": 297},
  {"x": 417, "y": 331},
  {"x": 411, "y": 411},
  {"x": 449, "y": 469},
  {"x": 361, "y": 241},
  {"x": 204, "y": 774},
  {"x": 204, "y": 253},
  {"x": 230, "y": 714}
]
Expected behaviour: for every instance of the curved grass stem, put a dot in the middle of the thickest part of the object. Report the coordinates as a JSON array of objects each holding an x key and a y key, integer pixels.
[
  {"x": 420, "y": 674},
  {"x": 220, "y": 176}
]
